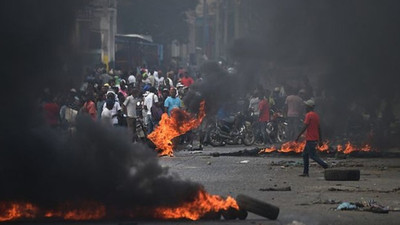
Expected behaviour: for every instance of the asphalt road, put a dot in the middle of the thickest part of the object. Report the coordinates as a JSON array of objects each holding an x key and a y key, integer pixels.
[{"x": 309, "y": 200}]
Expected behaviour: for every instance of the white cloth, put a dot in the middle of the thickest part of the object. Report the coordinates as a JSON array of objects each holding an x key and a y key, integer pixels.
[
  {"x": 171, "y": 84},
  {"x": 131, "y": 79},
  {"x": 106, "y": 117},
  {"x": 116, "y": 96},
  {"x": 253, "y": 105},
  {"x": 130, "y": 104},
  {"x": 114, "y": 112},
  {"x": 152, "y": 80},
  {"x": 70, "y": 115},
  {"x": 148, "y": 101},
  {"x": 155, "y": 74},
  {"x": 159, "y": 81}
]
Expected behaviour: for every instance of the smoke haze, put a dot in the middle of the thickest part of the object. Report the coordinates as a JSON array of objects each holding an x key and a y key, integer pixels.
[
  {"x": 45, "y": 166},
  {"x": 349, "y": 50}
]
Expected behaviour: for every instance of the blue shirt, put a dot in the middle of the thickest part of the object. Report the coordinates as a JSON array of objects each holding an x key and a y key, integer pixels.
[{"x": 172, "y": 103}]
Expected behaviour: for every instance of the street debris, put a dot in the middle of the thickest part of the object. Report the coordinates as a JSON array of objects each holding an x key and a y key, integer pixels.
[
  {"x": 295, "y": 222},
  {"x": 196, "y": 152},
  {"x": 288, "y": 188},
  {"x": 244, "y": 162},
  {"x": 347, "y": 189},
  {"x": 368, "y": 206},
  {"x": 287, "y": 163},
  {"x": 322, "y": 202},
  {"x": 347, "y": 206}
]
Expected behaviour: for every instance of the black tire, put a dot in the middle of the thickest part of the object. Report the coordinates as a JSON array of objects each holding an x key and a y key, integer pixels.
[
  {"x": 242, "y": 214},
  {"x": 257, "y": 207},
  {"x": 342, "y": 175},
  {"x": 212, "y": 215},
  {"x": 230, "y": 213},
  {"x": 214, "y": 139},
  {"x": 281, "y": 134},
  {"x": 248, "y": 137}
]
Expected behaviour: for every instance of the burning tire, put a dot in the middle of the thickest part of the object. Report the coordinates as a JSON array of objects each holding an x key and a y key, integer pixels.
[
  {"x": 230, "y": 214},
  {"x": 342, "y": 175},
  {"x": 257, "y": 207}
]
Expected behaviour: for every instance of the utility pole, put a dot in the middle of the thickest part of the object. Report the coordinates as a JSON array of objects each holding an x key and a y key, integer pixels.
[
  {"x": 217, "y": 30},
  {"x": 226, "y": 18},
  {"x": 205, "y": 28},
  {"x": 237, "y": 18},
  {"x": 108, "y": 29}
]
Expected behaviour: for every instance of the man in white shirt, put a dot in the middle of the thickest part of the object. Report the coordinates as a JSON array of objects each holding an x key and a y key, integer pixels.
[
  {"x": 295, "y": 110},
  {"x": 148, "y": 103},
  {"x": 129, "y": 107},
  {"x": 158, "y": 78},
  {"x": 115, "y": 110},
  {"x": 151, "y": 79},
  {"x": 168, "y": 80},
  {"x": 132, "y": 80}
]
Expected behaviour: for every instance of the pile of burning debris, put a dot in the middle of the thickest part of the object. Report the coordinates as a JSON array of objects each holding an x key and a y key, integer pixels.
[
  {"x": 294, "y": 148},
  {"x": 203, "y": 207}
]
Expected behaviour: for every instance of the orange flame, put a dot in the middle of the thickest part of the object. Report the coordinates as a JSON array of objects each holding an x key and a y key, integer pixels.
[
  {"x": 349, "y": 148},
  {"x": 293, "y": 146},
  {"x": 203, "y": 203},
  {"x": 13, "y": 210},
  {"x": 178, "y": 123},
  {"x": 324, "y": 147},
  {"x": 267, "y": 150},
  {"x": 85, "y": 211}
]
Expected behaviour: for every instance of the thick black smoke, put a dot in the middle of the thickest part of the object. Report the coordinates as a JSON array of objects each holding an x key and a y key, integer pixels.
[
  {"x": 95, "y": 164},
  {"x": 220, "y": 86},
  {"x": 348, "y": 49},
  {"x": 48, "y": 167}
]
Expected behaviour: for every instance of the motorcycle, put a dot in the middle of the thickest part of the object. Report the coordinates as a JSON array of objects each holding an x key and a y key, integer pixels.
[
  {"x": 236, "y": 130},
  {"x": 277, "y": 127}
]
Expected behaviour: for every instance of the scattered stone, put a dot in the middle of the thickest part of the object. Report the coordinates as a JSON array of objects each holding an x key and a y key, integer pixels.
[{"x": 288, "y": 188}]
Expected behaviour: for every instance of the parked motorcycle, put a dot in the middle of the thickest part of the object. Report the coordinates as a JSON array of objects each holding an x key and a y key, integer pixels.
[
  {"x": 277, "y": 127},
  {"x": 236, "y": 130}
]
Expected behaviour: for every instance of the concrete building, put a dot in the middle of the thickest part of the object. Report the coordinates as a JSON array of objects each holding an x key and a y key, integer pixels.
[
  {"x": 213, "y": 25},
  {"x": 95, "y": 30}
]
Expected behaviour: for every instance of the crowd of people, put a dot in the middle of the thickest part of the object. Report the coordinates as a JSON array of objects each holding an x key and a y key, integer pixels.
[
  {"x": 266, "y": 105},
  {"x": 136, "y": 101}
]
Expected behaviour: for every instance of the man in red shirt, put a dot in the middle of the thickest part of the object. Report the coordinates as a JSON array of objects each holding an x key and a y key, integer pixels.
[
  {"x": 187, "y": 80},
  {"x": 313, "y": 137},
  {"x": 263, "y": 107}
]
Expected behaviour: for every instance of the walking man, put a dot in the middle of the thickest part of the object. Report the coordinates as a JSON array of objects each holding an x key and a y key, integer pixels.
[
  {"x": 295, "y": 109},
  {"x": 313, "y": 137},
  {"x": 129, "y": 107},
  {"x": 263, "y": 108}
]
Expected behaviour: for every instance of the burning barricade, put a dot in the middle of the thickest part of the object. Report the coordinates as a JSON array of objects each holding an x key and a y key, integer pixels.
[
  {"x": 202, "y": 206},
  {"x": 298, "y": 147},
  {"x": 172, "y": 126}
]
